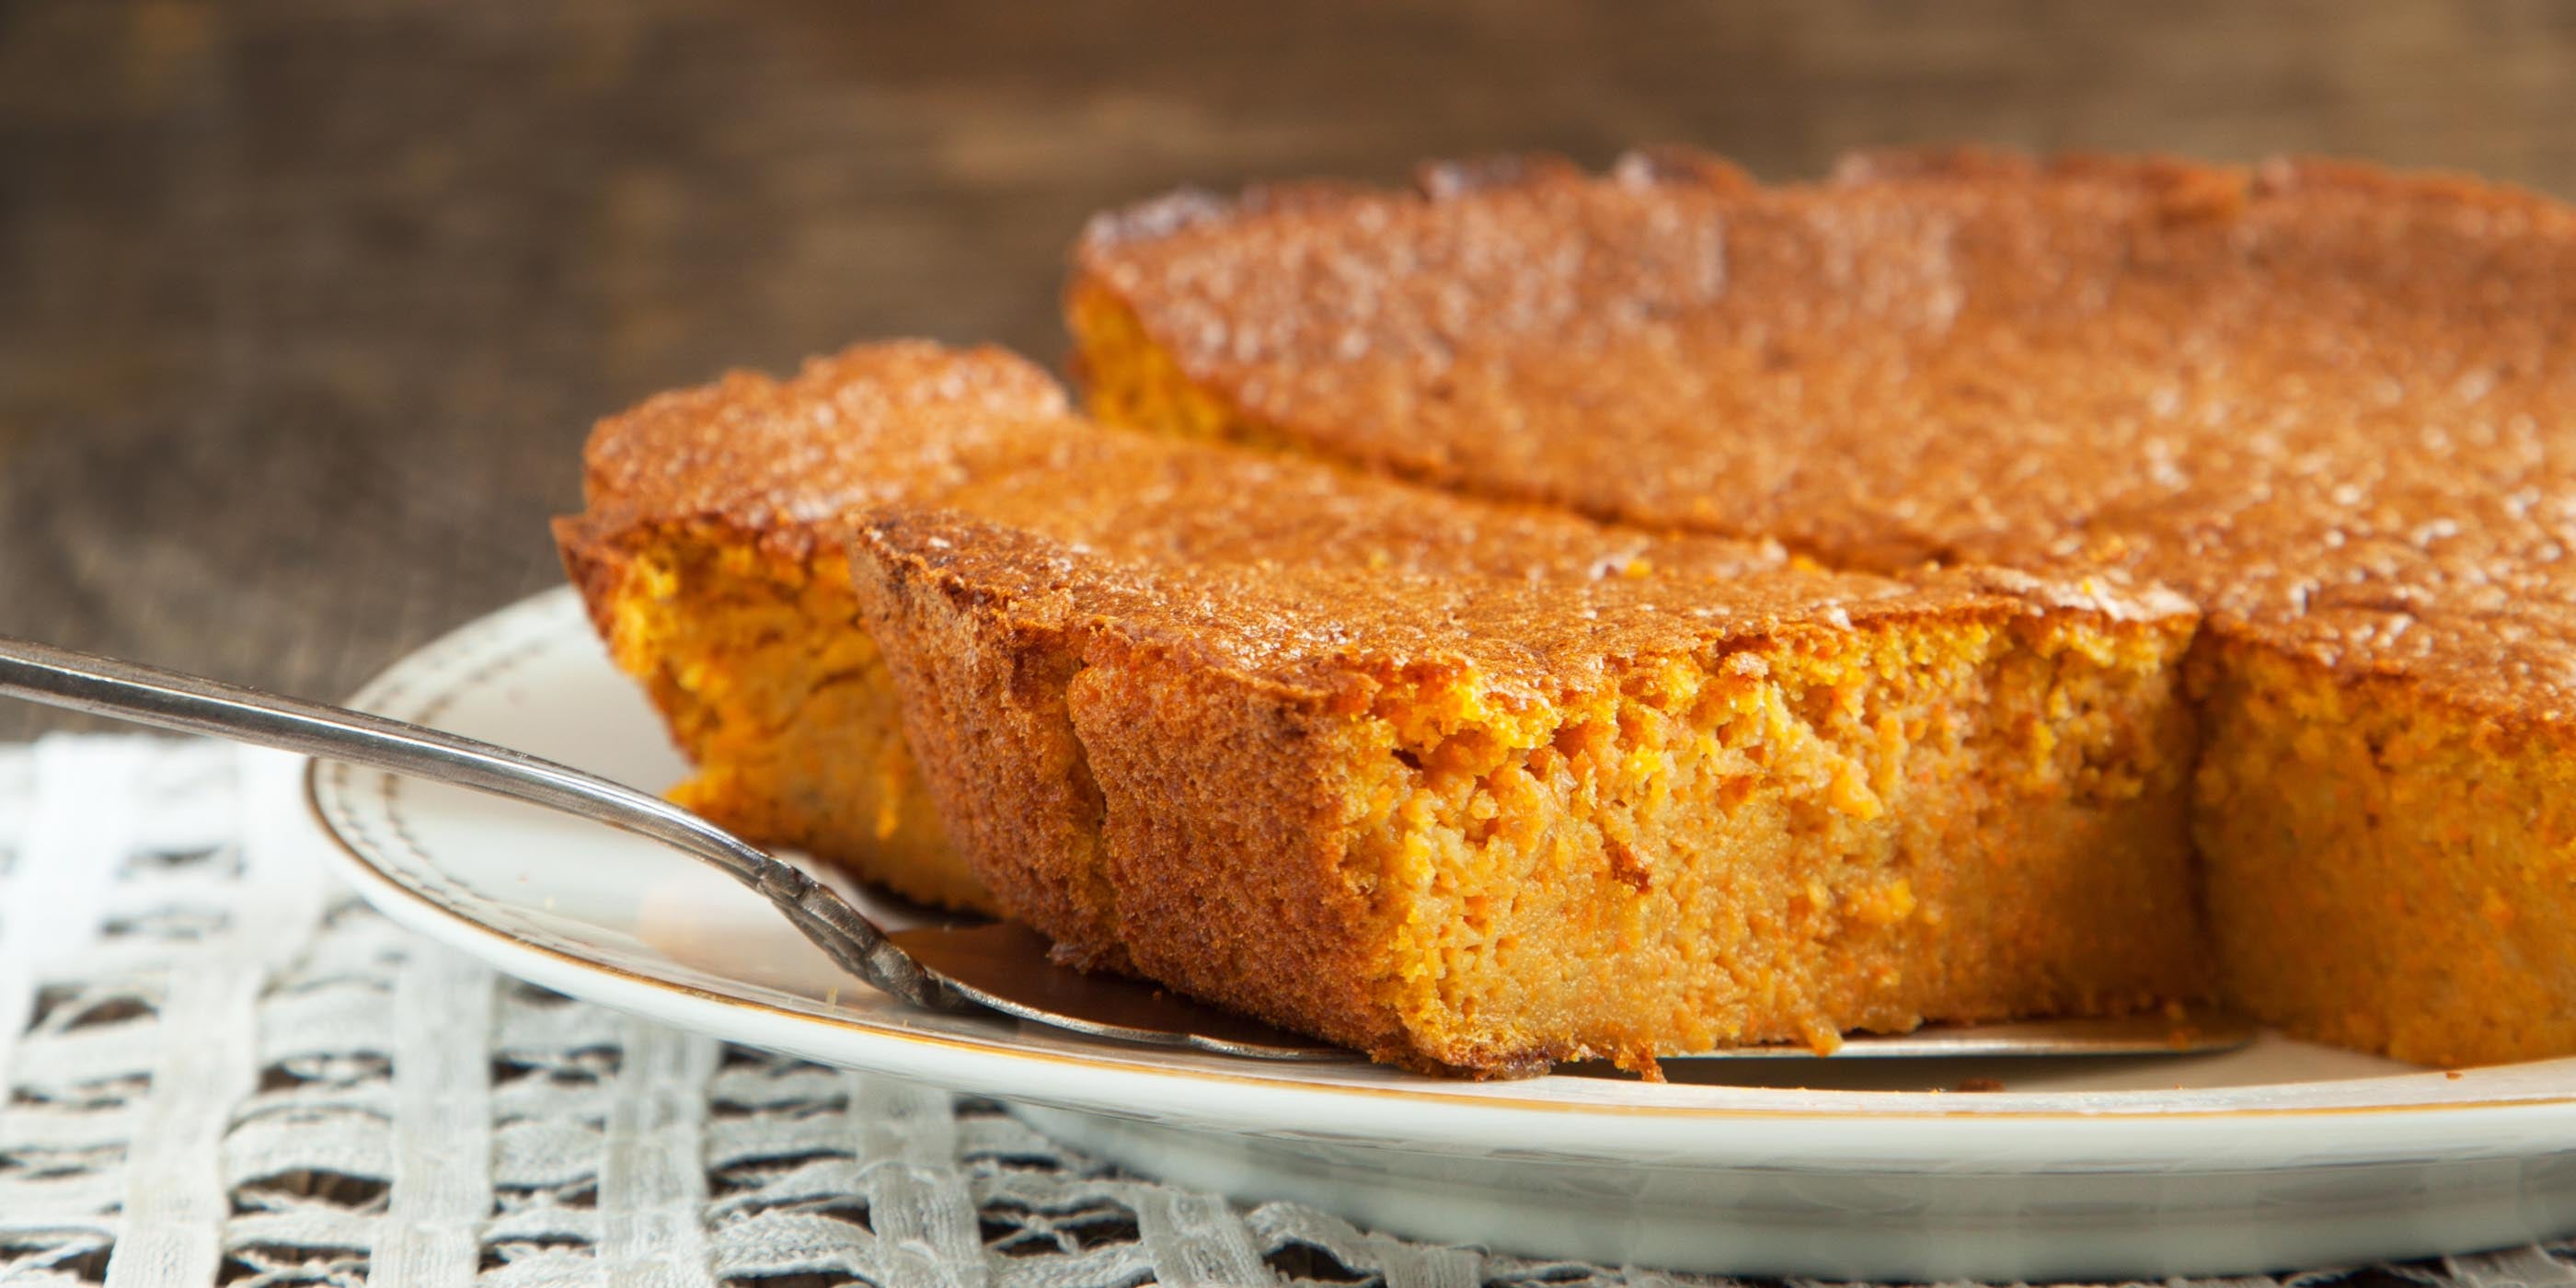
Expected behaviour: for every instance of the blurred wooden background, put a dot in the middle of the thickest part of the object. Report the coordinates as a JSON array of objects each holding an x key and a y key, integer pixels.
[{"x": 305, "y": 305}]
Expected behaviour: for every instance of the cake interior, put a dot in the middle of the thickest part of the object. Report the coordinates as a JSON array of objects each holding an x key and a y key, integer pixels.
[
  {"x": 1824, "y": 831},
  {"x": 2384, "y": 871},
  {"x": 781, "y": 702}
]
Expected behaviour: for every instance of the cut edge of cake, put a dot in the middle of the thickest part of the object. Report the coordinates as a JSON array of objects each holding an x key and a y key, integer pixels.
[{"x": 752, "y": 653}]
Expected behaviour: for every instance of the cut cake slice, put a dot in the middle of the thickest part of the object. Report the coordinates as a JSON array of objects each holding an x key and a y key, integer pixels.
[
  {"x": 1467, "y": 785},
  {"x": 1485, "y": 820}
]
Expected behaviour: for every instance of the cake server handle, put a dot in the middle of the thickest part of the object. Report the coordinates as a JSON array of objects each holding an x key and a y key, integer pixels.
[{"x": 170, "y": 700}]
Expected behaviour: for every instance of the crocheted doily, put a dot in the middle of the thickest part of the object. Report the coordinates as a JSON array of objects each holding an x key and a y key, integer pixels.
[{"x": 222, "y": 1069}]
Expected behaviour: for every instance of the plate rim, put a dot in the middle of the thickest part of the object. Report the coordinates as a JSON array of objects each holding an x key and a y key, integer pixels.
[{"x": 2187, "y": 1134}]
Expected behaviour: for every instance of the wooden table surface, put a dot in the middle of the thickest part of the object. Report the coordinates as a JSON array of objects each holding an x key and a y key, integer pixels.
[{"x": 306, "y": 305}]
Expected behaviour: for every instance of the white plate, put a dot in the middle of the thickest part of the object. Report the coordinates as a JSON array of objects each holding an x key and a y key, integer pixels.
[{"x": 2282, "y": 1155}]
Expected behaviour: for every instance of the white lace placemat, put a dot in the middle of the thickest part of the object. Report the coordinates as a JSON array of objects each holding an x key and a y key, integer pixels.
[{"x": 221, "y": 1069}]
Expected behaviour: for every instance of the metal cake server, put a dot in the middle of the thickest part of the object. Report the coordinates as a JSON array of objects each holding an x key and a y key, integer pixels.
[{"x": 999, "y": 966}]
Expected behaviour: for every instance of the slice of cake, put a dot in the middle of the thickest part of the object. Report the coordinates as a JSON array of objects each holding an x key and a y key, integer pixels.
[
  {"x": 1470, "y": 785},
  {"x": 2334, "y": 407},
  {"x": 1603, "y": 804}
]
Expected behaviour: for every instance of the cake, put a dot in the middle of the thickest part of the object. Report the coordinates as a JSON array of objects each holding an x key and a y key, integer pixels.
[
  {"x": 2109, "y": 499},
  {"x": 2329, "y": 405},
  {"x": 1470, "y": 785}
]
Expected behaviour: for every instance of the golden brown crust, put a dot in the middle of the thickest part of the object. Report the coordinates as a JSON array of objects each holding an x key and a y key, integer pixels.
[
  {"x": 2273, "y": 387},
  {"x": 782, "y": 459}
]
